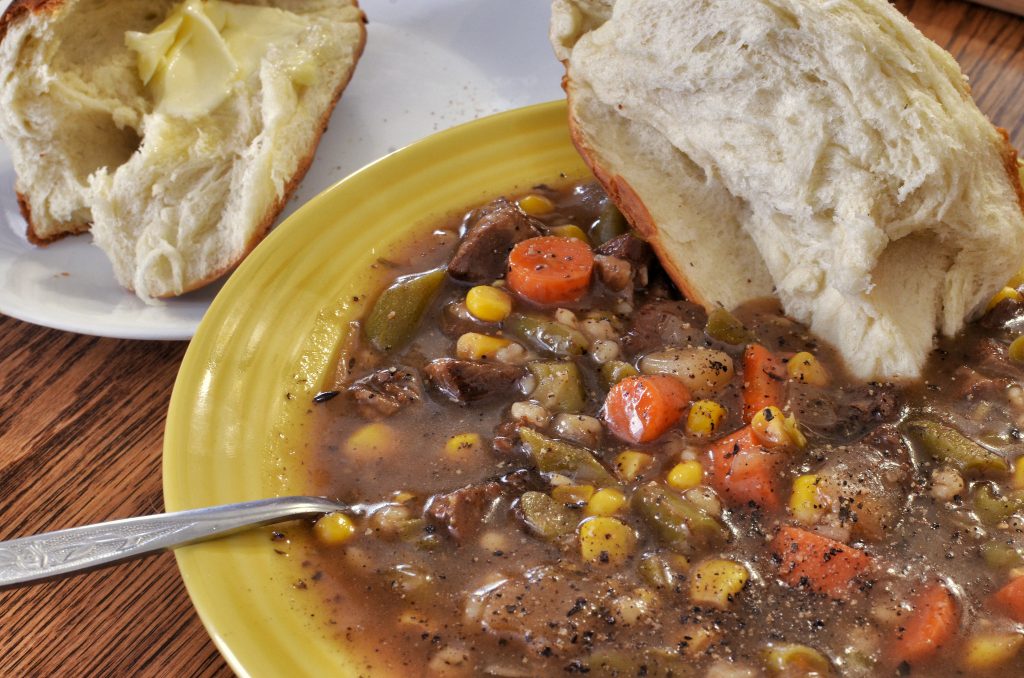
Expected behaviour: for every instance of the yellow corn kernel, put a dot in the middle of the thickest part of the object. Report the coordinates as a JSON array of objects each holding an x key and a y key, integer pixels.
[
  {"x": 1018, "y": 474},
  {"x": 716, "y": 582},
  {"x": 705, "y": 417},
  {"x": 1016, "y": 349},
  {"x": 572, "y": 494},
  {"x": 1005, "y": 293},
  {"x": 476, "y": 346},
  {"x": 991, "y": 649},
  {"x": 371, "y": 441},
  {"x": 334, "y": 529},
  {"x": 807, "y": 369},
  {"x": 536, "y": 205},
  {"x": 488, "y": 303},
  {"x": 464, "y": 447},
  {"x": 805, "y": 503},
  {"x": 774, "y": 429},
  {"x": 685, "y": 475},
  {"x": 606, "y": 540},
  {"x": 570, "y": 231},
  {"x": 631, "y": 463},
  {"x": 605, "y": 502}
]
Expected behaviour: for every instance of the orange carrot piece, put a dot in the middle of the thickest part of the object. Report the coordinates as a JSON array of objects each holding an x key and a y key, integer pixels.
[
  {"x": 930, "y": 625},
  {"x": 763, "y": 380},
  {"x": 1011, "y": 599},
  {"x": 743, "y": 471},
  {"x": 819, "y": 563},
  {"x": 640, "y": 409},
  {"x": 550, "y": 269}
]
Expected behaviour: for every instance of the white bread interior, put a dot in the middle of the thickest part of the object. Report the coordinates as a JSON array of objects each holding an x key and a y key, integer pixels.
[
  {"x": 174, "y": 203},
  {"x": 826, "y": 152}
]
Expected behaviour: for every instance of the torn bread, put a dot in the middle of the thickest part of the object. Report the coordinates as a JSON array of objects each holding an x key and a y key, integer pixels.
[
  {"x": 175, "y": 194},
  {"x": 826, "y": 152}
]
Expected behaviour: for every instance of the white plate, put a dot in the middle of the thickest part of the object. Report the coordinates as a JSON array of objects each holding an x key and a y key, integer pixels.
[{"x": 427, "y": 66}]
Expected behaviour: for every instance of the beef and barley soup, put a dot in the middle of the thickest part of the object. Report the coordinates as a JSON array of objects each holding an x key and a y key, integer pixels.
[{"x": 573, "y": 469}]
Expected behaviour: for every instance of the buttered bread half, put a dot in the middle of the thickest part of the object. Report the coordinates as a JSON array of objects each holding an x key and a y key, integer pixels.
[
  {"x": 824, "y": 152},
  {"x": 173, "y": 131}
]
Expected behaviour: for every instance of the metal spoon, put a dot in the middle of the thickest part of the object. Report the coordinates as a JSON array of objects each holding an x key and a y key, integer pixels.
[{"x": 57, "y": 554}]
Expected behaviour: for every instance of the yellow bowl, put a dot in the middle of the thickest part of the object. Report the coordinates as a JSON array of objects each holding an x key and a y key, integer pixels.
[{"x": 236, "y": 428}]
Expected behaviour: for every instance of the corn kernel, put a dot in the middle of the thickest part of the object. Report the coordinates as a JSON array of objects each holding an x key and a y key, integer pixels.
[
  {"x": 371, "y": 441},
  {"x": 536, "y": 205},
  {"x": 807, "y": 369},
  {"x": 606, "y": 540},
  {"x": 631, "y": 463},
  {"x": 476, "y": 346},
  {"x": 1018, "y": 474},
  {"x": 705, "y": 417},
  {"x": 570, "y": 231},
  {"x": 685, "y": 475},
  {"x": 464, "y": 447},
  {"x": 489, "y": 303},
  {"x": 774, "y": 429},
  {"x": 334, "y": 529},
  {"x": 605, "y": 502},
  {"x": 1016, "y": 350},
  {"x": 991, "y": 649},
  {"x": 716, "y": 582},
  {"x": 572, "y": 494},
  {"x": 1005, "y": 293},
  {"x": 805, "y": 503}
]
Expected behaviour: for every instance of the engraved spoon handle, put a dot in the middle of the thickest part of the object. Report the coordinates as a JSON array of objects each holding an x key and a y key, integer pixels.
[{"x": 63, "y": 552}]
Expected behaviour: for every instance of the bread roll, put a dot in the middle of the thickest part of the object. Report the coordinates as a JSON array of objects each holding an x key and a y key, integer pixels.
[
  {"x": 176, "y": 195},
  {"x": 826, "y": 152}
]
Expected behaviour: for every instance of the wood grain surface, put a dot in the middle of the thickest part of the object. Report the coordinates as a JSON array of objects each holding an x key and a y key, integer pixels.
[{"x": 81, "y": 427}]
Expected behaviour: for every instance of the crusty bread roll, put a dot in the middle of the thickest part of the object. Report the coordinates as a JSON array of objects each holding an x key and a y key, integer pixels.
[
  {"x": 174, "y": 199},
  {"x": 824, "y": 151}
]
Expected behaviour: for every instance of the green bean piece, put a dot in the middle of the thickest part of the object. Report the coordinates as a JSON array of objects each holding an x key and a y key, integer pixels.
[
  {"x": 393, "y": 320},
  {"x": 724, "y": 326},
  {"x": 991, "y": 508},
  {"x": 999, "y": 555},
  {"x": 558, "y": 456},
  {"x": 614, "y": 371},
  {"x": 559, "y": 386},
  {"x": 678, "y": 523},
  {"x": 946, "y": 444},
  {"x": 610, "y": 224},
  {"x": 545, "y": 334},
  {"x": 785, "y": 660},
  {"x": 1016, "y": 350},
  {"x": 546, "y": 517},
  {"x": 655, "y": 570}
]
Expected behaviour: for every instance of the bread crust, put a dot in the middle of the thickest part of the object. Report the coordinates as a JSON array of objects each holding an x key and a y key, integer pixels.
[
  {"x": 293, "y": 183},
  {"x": 20, "y": 8},
  {"x": 1009, "y": 154}
]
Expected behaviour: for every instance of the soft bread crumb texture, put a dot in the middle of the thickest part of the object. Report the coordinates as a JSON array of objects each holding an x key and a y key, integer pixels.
[
  {"x": 174, "y": 203},
  {"x": 823, "y": 151}
]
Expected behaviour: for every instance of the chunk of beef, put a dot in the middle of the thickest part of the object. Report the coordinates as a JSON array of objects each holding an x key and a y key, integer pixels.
[
  {"x": 970, "y": 382},
  {"x": 384, "y": 392},
  {"x": 864, "y": 490},
  {"x": 615, "y": 273},
  {"x": 483, "y": 253},
  {"x": 1007, "y": 313},
  {"x": 549, "y": 611},
  {"x": 662, "y": 323},
  {"x": 993, "y": 360},
  {"x": 843, "y": 415},
  {"x": 628, "y": 248},
  {"x": 462, "y": 511},
  {"x": 464, "y": 381}
]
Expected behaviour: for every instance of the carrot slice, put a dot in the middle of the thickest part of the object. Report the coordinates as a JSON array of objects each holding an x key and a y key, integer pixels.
[
  {"x": 929, "y": 626},
  {"x": 550, "y": 269},
  {"x": 1011, "y": 599},
  {"x": 819, "y": 563},
  {"x": 744, "y": 471},
  {"x": 763, "y": 380},
  {"x": 639, "y": 409}
]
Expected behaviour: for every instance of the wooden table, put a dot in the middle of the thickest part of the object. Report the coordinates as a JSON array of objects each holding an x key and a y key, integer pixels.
[{"x": 81, "y": 427}]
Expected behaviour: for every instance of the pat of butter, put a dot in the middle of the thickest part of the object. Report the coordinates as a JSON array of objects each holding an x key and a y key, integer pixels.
[{"x": 194, "y": 59}]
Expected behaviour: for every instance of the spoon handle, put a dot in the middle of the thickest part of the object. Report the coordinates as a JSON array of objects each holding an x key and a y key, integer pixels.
[{"x": 63, "y": 552}]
